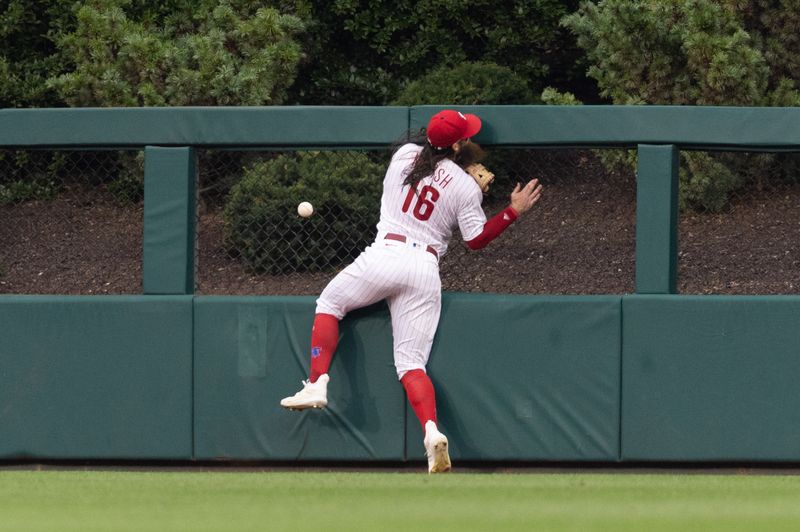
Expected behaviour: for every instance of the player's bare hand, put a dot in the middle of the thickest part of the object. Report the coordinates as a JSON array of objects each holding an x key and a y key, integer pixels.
[{"x": 523, "y": 198}]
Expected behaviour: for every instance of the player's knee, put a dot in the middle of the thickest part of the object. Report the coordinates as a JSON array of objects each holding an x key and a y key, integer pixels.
[{"x": 326, "y": 307}]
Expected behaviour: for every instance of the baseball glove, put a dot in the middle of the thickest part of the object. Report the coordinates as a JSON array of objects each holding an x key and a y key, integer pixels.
[{"x": 481, "y": 175}]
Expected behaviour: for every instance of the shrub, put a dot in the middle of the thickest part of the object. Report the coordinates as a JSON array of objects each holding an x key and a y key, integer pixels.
[
  {"x": 22, "y": 191},
  {"x": 27, "y": 175},
  {"x": 28, "y": 55},
  {"x": 665, "y": 52},
  {"x": 126, "y": 185},
  {"x": 694, "y": 53},
  {"x": 706, "y": 182},
  {"x": 362, "y": 52},
  {"x": 467, "y": 84},
  {"x": 551, "y": 96},
  {"x": 261, "y": 222},
  {"x": 222, "y": 53}
]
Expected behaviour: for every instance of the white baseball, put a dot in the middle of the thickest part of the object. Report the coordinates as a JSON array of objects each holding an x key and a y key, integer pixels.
[{"x": 305, "y": 209}]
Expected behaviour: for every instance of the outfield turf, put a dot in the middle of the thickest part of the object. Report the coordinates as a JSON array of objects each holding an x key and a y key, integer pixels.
[{"x": 320, "y": 501}]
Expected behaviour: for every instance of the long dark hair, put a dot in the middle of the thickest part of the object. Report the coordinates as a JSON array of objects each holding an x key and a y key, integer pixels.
[{"x": 427, "y": 159}]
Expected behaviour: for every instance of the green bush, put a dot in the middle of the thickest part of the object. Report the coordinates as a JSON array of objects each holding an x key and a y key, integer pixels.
[
  {"x": 665, "y": 52},
  {"x": 210, "y": 52},
  {"x": 467, "y": 84},
  {"x": 261, "y": 221},
  {"x": 706, "y": 181},
  {"x": 551, "y": 96},
  {"x": 21, "y": 191},
  {"x": 28, "y": 55},
  {"x": 699, "y": 52},
  {"x": 126, "y": 185},
  {"x": 28, "y": 175},
  {"x": 363, "y": 52}
]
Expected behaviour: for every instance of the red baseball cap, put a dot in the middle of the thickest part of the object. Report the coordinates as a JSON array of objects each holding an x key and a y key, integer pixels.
[{"x": 448, "y": 127}]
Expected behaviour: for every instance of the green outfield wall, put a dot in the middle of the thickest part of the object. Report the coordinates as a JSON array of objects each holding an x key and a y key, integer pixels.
[
  {"x": 96, "y": 377},
  {"x": 649, "y": 376},
  {"x": 537, "y": 379},
  {"x": 711, "y": 378}
]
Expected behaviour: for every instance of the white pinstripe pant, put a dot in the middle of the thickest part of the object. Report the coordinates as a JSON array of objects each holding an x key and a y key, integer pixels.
[{"x": 408, "y": 278}]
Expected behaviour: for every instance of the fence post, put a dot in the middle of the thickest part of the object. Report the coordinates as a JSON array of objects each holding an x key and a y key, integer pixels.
[
  {"x": 169, "y": 219},
  {"x": 657, "y": 220}
]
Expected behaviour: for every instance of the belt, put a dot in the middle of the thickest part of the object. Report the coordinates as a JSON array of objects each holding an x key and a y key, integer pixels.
[{"x": 401, "y": 238}]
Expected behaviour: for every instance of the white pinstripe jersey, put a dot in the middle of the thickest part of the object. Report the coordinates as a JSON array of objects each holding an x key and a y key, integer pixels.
[{"x": 448, "y": 199}]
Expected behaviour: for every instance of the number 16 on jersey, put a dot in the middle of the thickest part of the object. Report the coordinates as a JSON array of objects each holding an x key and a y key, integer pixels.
[{"x": 423, "y": 207}]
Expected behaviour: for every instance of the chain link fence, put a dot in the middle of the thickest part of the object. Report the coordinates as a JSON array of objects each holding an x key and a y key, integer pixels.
[
  {"x": 579, "y": 239},
  {"x": 71, "y": 222},
  {"x": 739, "y": 229}
]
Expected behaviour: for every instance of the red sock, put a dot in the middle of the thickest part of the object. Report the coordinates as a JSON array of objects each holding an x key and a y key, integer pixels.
[
  {"x": 419, "y": 390},
  {"x": 324, "y": 337}
]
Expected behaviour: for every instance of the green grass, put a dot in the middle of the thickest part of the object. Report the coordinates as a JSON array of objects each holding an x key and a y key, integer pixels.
[{"x": 197, "y": 501}]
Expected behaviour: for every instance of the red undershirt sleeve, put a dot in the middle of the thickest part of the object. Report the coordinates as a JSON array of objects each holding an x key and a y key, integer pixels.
[{"x": 496, "y": 225}]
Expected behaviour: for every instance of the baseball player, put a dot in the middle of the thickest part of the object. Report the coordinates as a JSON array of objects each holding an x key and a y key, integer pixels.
[{"x": 426, "y": 195}]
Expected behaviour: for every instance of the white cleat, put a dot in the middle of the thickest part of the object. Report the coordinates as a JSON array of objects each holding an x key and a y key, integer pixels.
[
  {"x": 436, "y": 449},
  {"x": 313, "y": 395}
]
